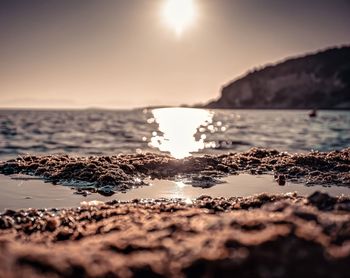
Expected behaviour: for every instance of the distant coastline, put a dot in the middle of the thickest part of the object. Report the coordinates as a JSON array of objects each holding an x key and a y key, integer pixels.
[{"x": 313, "y": 81}]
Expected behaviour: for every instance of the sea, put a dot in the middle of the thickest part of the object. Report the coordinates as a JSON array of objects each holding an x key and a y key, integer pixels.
[{"x": 177, "y": 131}]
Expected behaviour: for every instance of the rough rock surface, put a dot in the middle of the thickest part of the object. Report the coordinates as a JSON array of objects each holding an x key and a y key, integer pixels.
[
  {"x": 259, "y": 236},
  {"x": 107, "y": 174},
  {"x": 320, "y": 80}
]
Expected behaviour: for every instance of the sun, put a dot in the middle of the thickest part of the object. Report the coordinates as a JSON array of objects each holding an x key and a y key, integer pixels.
[{"x": 179, "y": 14}]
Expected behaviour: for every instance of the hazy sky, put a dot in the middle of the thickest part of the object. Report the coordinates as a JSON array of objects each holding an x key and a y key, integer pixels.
[{"x": 122, "y": 53}]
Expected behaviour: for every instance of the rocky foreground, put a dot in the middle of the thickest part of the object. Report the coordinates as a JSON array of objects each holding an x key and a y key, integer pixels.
[
  {"x": 108, "y": 174},
  {"x": 260, "y": 236}
]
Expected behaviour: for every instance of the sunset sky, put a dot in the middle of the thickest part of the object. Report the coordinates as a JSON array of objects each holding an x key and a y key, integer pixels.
[{"x": 128, "y": 53}]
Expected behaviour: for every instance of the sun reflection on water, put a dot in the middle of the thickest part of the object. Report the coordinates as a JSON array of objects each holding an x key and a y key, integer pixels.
[{"x": 178, "y": 128}]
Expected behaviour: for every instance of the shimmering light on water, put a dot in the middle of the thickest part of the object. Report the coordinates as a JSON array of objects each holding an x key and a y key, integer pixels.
[
  {"x": 177, "y": 130},
  {"x": 103, "y": 132},
  {"x": 180, "y": 184}
]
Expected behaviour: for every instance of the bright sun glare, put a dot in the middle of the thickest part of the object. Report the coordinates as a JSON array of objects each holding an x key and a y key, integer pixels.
[
  {"x": 179, "y": 14},
  {"x": 177, "y": 130}
]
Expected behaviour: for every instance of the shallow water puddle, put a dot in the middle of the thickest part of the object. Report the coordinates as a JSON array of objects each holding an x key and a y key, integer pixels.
[
  {"x": 23, "y": 192},
  {"x": 17, "y": 192},
  {"x": 239, "y": 185}
]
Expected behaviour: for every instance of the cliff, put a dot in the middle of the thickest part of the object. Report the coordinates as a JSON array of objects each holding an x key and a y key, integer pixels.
[{"x": 320, "y": 80}]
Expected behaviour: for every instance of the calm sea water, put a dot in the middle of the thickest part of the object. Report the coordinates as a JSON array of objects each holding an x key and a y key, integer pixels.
[{"x": 179, "y": 131}]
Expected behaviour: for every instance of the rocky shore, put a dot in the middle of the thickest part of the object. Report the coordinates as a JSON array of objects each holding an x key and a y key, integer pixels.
[
  {"x": 108, "y": 174},
  {"x": 260, "y": 236}
]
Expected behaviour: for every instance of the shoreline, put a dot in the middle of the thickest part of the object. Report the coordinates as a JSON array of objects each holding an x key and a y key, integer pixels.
[
  {"x": 264, "y": 235},
  {"x": 109, "y": 174}
]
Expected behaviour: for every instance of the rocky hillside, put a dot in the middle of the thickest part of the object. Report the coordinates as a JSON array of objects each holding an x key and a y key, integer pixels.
[{"x": 320, "y": 80}]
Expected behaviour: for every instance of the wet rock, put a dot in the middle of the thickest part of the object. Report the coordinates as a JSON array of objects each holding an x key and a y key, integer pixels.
[
  {"x": 9, "y": 168},
  {"x": 64, "y": 234},
  {"x": 212, "y": 173},
  {"x": 223, "y": 168},
  {"x": 82, "y": 192},
  {"x": 106, "y": 191},
  {"x": 343, "y": 205},
  {"x": 281, "y": 179},
  {"x": 6, "y": 222},
  {"x": 52, "y": 224},
  {"x": 322, "y": 200},
  {"x": 108, "y": 179},
  {"x": 10, "y": 212},
  {"x": 128, "y": 168},
  {"x": 204, "y": 181}
]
